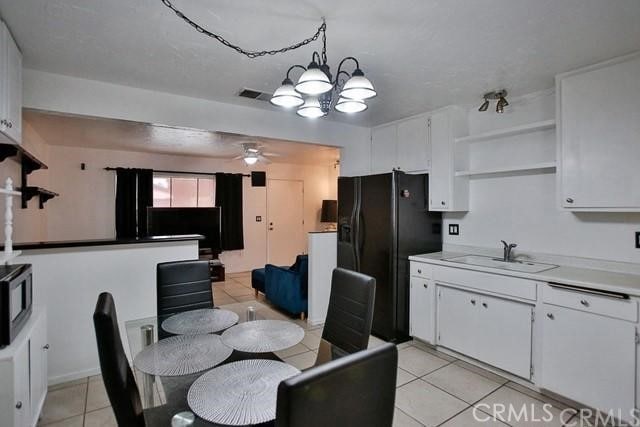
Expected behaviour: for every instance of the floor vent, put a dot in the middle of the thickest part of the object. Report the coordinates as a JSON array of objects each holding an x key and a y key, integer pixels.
[{"x": 254, "y": 94}]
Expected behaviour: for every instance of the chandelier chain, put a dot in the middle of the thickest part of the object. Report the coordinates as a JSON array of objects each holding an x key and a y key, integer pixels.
[{"x": 250, "y": 54}]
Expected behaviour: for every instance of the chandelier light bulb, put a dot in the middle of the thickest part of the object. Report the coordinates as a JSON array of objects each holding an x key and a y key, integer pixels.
[
  {"x": 311, "y": 108},
  {"x": 313, "y": 81},
  {"x": 358, "y": 87},
  {"x": 349, "y": 106},
  {"x": 286, "y": 96}
]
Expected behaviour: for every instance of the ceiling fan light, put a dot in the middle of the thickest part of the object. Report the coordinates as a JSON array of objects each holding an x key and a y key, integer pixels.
[
  {"x": 250, "y": 159},
  {"x": 350, "y": 106},
  {"x": 313, "y": 81},
  {"x": 358, "y": 87},
  {"x": 311, "y": 108},
  {"x": 286, "y": 96}
]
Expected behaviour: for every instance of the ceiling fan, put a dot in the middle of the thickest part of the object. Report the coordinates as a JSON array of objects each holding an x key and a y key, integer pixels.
[{"x": 252, "y": 153}]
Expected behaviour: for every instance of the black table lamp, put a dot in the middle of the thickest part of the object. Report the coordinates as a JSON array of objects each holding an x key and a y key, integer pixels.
[{"x": 329, "y": 213}]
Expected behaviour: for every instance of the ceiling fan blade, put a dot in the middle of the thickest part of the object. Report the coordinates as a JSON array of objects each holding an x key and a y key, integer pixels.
[
  {"x": 271, "y": 154},
  {"x": 263, "y": 159},
  {"x": 238, "y": 157}
]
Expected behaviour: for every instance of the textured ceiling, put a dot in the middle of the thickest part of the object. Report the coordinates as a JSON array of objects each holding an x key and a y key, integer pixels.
[
  {"x": 93, "y": 132},
  {"x": 420, "y": 54}
]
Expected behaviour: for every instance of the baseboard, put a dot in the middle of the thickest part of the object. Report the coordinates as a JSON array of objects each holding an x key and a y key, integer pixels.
[
  {"x": 315, "y": 322},
  {"x": 73, "y": 376}
]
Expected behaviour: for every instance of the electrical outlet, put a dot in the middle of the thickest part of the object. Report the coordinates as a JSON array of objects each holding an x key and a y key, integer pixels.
[
  {"x": 637, "y": 239},
  {"x": 258, "y": 218},
  {"x": 454, "y": 229}
]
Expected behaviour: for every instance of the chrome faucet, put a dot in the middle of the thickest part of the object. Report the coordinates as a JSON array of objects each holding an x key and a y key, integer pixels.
[{"x": 508, "y": 247}]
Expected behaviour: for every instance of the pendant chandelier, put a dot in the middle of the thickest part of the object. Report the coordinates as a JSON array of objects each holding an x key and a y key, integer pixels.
[
  {"x": 313, "y": 94},
  {"x": 316, "y": 91}
]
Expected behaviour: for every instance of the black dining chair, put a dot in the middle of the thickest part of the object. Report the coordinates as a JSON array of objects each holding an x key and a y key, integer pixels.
[
  {"x": 356, "y": 390},
  {"x": 183, "y": 286},
  {"x": 117, "y": 375},
  {"x": 350, "y": 312}
]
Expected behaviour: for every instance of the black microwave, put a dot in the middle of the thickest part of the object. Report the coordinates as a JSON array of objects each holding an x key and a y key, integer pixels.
[{"x": 16, "y": 299}]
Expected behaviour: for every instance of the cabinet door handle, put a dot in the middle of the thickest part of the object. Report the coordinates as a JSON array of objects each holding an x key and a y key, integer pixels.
[
  {"x": 550, "y": 316},
  {"x": 584, "y": 302},
  {"x": 569, "y": 200},
  {"x": 473, "y": 302},
  {"x": 425, "y": 285},
  {"x": 46, "y": 347},
  {"x": 19, "y": 405},
  {"x": 484, "y": 304},
  {"x": 419, "y": 271}
]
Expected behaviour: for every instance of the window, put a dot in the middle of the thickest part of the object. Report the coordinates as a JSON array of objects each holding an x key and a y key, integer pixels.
[{"x": 179, "y": 191}]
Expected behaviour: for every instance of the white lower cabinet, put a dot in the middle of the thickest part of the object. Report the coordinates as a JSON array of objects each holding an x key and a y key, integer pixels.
[
  {"x": 589, "y": 358},
  {"x": 493, "y": 330},
  {"x": 422, "y": 310},
  {"x": 23, "y": 375}
]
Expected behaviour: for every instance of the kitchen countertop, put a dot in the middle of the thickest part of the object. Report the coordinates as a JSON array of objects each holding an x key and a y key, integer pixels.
[
  {"x": 104, "y": 242},
  {"x": 585, "y": 277}
]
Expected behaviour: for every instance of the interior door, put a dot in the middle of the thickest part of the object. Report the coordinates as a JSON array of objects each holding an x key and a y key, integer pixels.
[
  {"x": 285, "y": 221},
  {"x": 589, "y": 358}
]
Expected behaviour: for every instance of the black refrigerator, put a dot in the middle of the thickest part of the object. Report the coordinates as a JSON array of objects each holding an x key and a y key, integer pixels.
[{"x": 382, "y": 220}]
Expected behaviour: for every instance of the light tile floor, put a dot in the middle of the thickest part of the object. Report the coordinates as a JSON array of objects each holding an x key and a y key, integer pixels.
[{"x": 434, "y": 389}]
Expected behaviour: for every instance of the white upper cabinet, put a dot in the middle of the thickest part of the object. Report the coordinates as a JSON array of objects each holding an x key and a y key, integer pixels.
[
  {"x": 10, "y": 88},
  {"x": 355, "y": 159},
  {"x": 446, "y": 191},
  {"x": 402, "y": 145},
  {"x": 383, "y": 149},
  {"x": 413, "y": 151},
  {"x": 598, "y": 120}
]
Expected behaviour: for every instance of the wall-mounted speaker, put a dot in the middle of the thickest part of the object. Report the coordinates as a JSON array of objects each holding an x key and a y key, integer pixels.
[{"x": 258, "y": 179}]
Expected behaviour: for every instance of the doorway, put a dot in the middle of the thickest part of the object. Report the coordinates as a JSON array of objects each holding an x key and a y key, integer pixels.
[{"x": 285, "y": 221}]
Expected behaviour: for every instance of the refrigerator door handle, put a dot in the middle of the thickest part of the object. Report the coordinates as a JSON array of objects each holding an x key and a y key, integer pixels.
[{"x": 356, "y": 219}]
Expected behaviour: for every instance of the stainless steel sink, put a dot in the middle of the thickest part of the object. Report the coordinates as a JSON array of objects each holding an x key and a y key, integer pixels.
[{"x": 517, "y": 265}]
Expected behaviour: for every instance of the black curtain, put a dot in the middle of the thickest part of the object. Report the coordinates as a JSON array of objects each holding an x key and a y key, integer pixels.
[
  {"x": 145, "y": 198},
  {"x": 134, "y": 192},
  {"x": 229, "y": 200}
]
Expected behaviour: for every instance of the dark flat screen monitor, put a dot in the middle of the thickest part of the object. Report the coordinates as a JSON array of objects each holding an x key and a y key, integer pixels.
[{"x": 172, "y": 221}]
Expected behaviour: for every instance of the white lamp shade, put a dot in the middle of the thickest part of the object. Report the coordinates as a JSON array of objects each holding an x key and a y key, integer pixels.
[
  {"x": 287, "y": 97},
  {"x": 358, "y": 87},
  {"x": 311, "y": 108},
  {"x": 346, "y": 105},
  {"x": 251, "y": 159},
  {"x": 313, "y": 82}
]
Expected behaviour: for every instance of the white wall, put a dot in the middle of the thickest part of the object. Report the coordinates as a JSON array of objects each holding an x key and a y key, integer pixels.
[
  {"x": 523, "y": 208},
  {"x": 86, "y": 206},
  {"x": 67, "y": 283},
  {"x": 65, "y": 94}
]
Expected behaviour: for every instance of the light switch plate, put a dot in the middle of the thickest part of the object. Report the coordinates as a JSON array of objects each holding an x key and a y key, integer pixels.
[{"x": 454, "y": 229}]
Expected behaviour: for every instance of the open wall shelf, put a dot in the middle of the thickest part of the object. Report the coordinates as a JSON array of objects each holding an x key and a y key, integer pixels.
[
  {"x": 29, "y": 193},
  {"x": 540, "y": 167},
  {"x": 504, "y": 133},
  {"x": 28, "y": 161}
]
